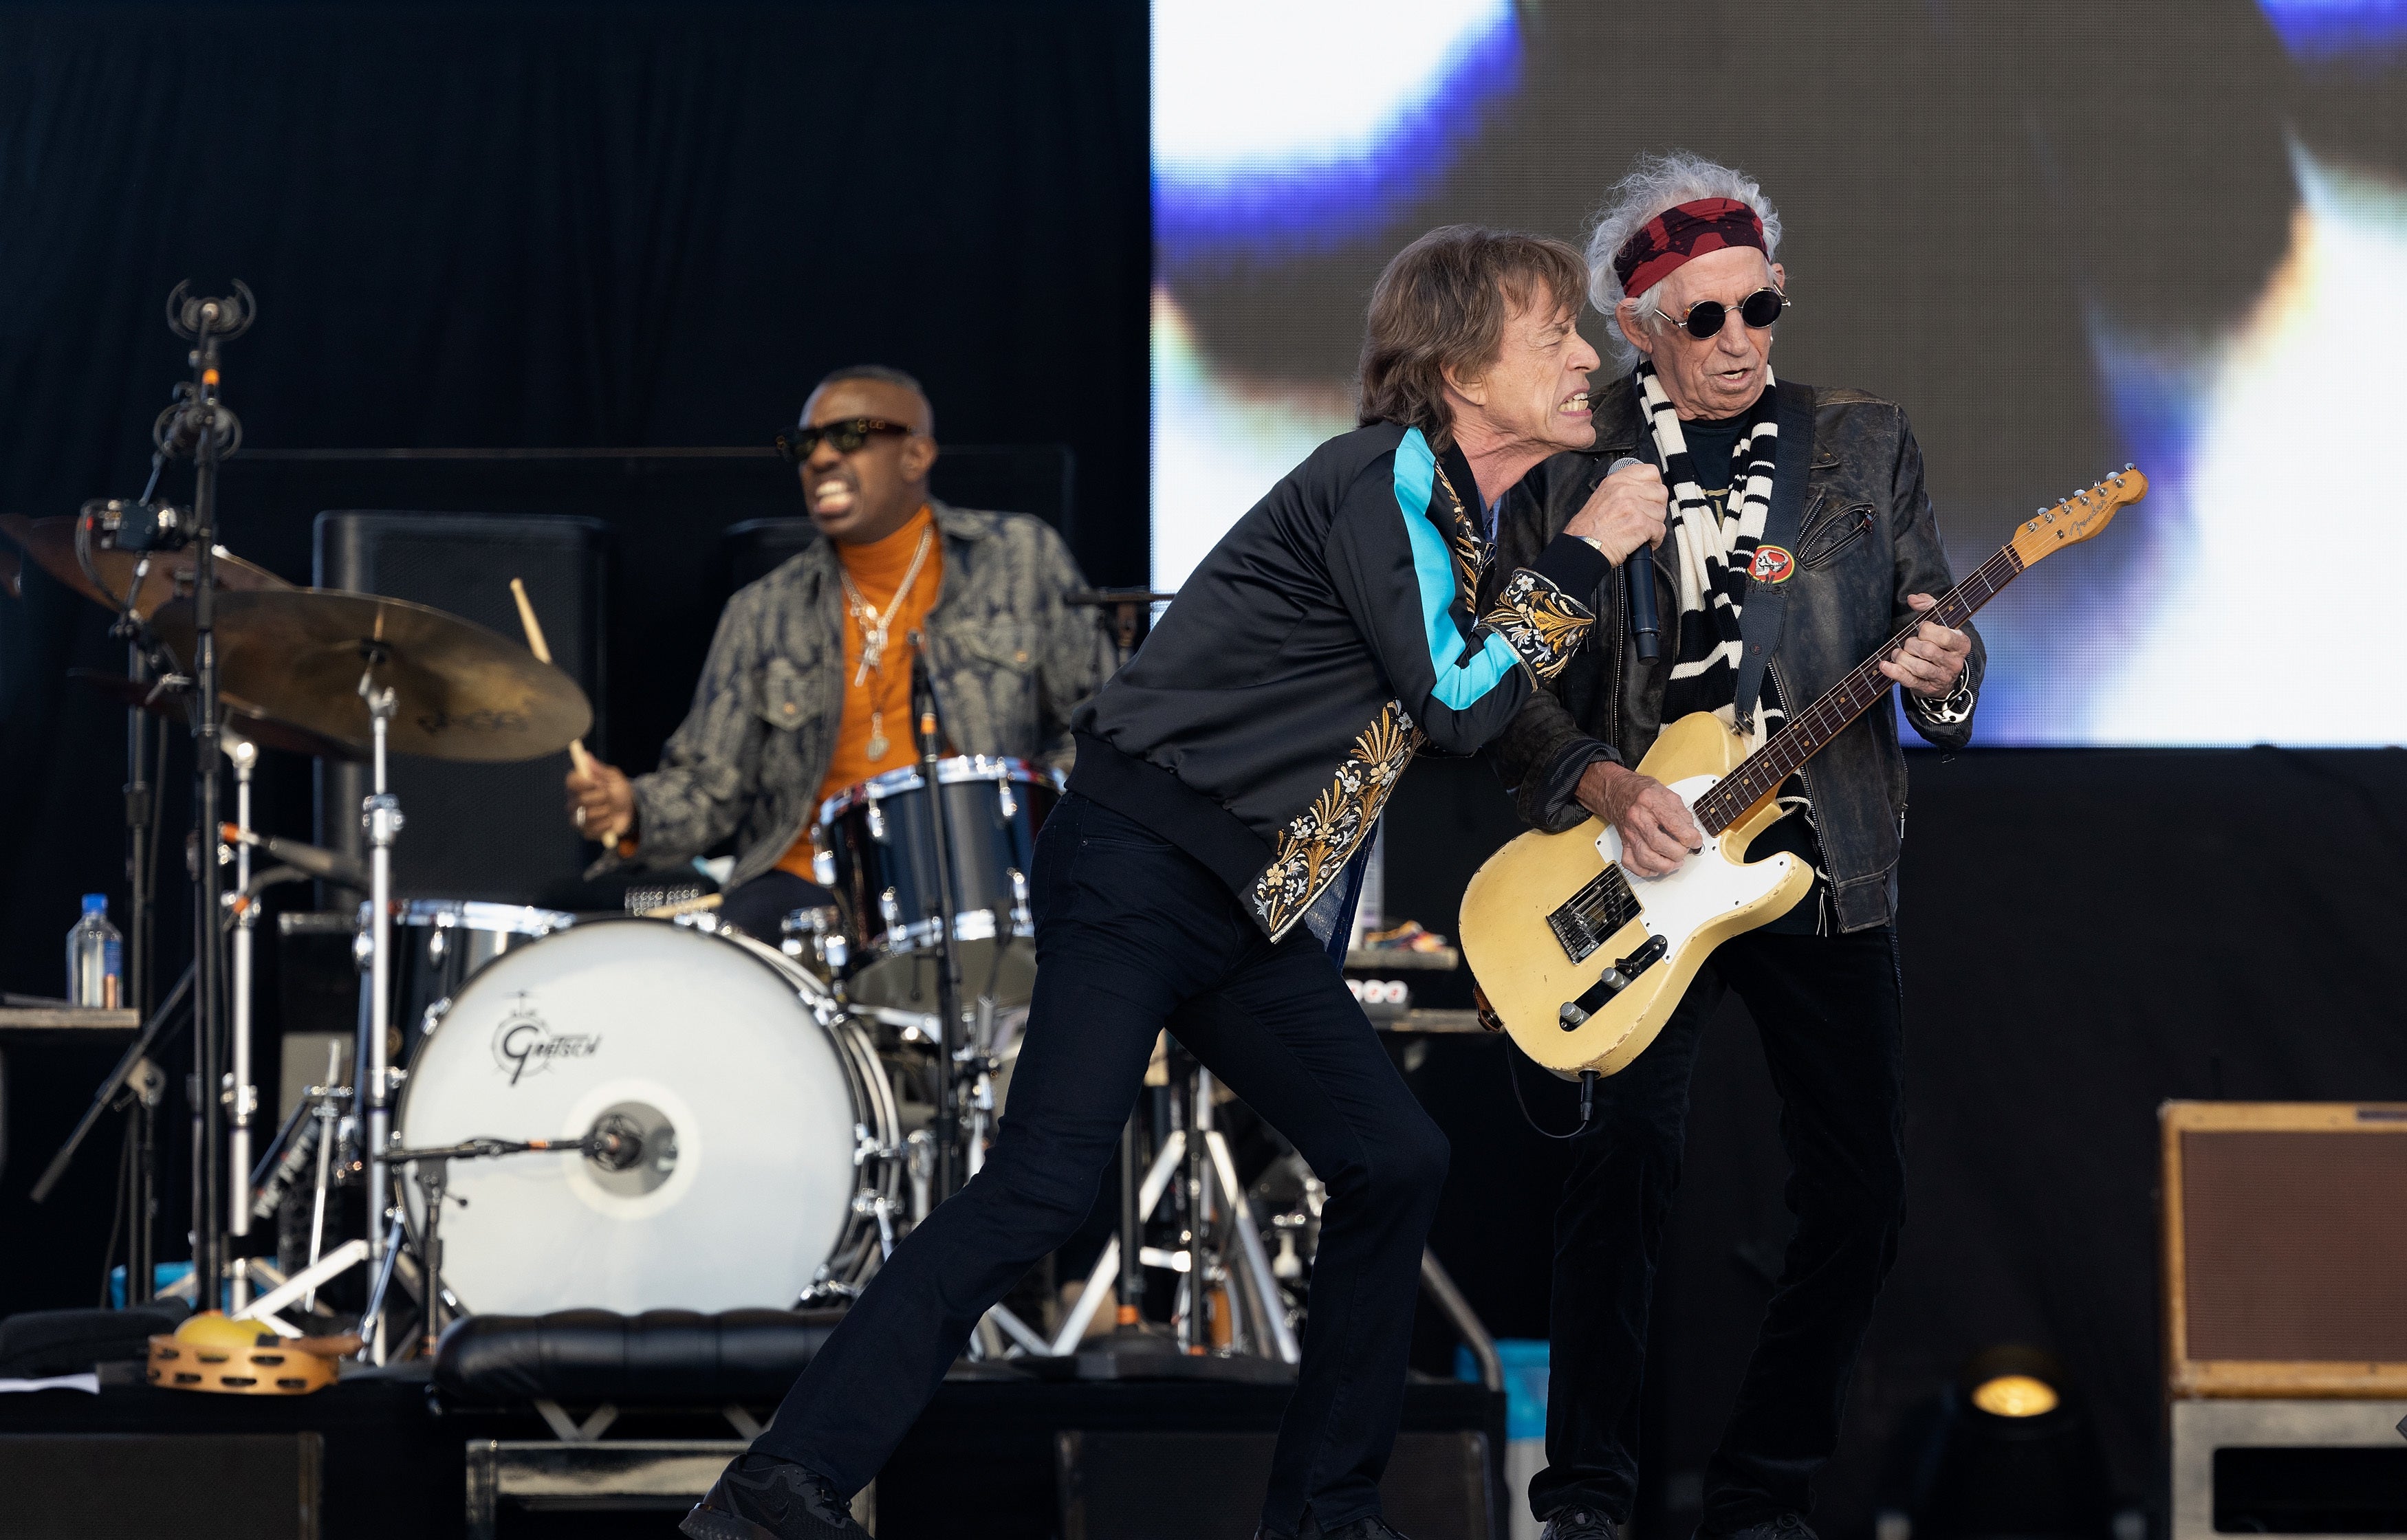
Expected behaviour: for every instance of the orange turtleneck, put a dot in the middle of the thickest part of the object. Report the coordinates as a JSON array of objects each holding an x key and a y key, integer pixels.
[{"x": 877, "y": 712}]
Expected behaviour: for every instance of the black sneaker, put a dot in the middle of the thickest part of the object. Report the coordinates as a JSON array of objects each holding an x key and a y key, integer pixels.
[
  {"x": 1580, "y": 1524},
  {"x": 760, "y": 1497},
  {"x": 1785, "y": 1526}
]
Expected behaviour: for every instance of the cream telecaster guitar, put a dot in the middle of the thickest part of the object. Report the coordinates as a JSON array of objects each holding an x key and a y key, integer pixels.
[{"x": 1584, "y": 961}]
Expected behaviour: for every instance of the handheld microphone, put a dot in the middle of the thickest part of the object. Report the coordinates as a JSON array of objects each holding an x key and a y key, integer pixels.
[{"x": 1638, "y": 569}]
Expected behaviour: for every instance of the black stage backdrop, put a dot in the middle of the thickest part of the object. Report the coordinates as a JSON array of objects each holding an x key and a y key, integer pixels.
[{"x": 514, "y": 226}]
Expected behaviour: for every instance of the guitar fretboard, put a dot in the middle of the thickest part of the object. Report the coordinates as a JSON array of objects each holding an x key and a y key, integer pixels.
[{"x": 1859, "y": 689}]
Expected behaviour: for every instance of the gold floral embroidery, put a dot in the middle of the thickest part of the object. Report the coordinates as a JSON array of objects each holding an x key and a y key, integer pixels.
[
  {"x": 1471, "y": 550},
  {"x": 1542, "y": 625},
  {"x": 1316, "y": 843},
  {"x": 1540, "y": 622}
]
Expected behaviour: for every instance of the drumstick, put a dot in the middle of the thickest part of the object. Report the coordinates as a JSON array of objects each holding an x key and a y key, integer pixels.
[{"x": 577, "y": 755}]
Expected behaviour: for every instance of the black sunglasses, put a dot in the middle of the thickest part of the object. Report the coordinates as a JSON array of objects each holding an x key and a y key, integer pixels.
[
  {"x": 1706, "y": 317},
  {"x": 794, "y": 446}
]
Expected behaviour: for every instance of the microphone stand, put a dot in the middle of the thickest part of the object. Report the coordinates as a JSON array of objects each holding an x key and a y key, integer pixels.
[
  {"x": 196, "y": 423},
  {"x": 929, "y": 727}
]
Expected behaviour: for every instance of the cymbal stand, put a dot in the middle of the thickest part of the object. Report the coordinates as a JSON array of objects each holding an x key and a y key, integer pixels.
[{"x": 382, "y": 812}]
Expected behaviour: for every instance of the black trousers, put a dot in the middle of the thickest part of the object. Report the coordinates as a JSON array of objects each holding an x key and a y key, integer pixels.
[
  {"x": 1829, "y": 1010},
  {"x": 1133, "y": 936}
]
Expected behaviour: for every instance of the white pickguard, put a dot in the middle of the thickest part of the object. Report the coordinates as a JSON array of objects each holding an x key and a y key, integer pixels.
[{"x": 1702, "y": 887}]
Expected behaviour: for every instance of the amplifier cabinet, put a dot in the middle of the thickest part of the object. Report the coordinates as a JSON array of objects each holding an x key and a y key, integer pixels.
[
  {"x": 490, "y": 831},
  {"x": 2284, "y": 1248}
]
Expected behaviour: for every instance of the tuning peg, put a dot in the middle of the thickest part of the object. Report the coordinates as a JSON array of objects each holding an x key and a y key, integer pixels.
[{"x": 2129, "y": 466}]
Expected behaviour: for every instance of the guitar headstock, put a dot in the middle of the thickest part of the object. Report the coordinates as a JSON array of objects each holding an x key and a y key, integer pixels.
[{"x": 2078, "y": 518}]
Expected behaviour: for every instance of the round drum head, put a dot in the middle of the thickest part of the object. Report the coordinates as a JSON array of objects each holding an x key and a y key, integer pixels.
[{"x": 700, "y": 1048}]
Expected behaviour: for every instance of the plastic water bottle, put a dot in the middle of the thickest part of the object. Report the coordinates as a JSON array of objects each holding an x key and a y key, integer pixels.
[{"x": 96, "y": 957}]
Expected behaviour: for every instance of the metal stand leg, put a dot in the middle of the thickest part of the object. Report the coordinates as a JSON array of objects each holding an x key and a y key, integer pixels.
[
  {"x": 434, "y": 1176},
  {"x": 381, "y": 814},
  {"x": 328, "y": 1115},
  {"x": 244, "y": 1096}
]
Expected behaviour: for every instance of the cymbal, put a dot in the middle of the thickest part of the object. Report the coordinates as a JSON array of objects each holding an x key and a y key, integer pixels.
[
  {"x": 51, "y": 542},
  {"x": 464, "y": 692},
  {"x": 172, "y": 698}
]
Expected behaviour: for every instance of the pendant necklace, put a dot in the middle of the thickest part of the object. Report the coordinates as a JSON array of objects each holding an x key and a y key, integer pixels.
[{"x": 874, "y": 627}]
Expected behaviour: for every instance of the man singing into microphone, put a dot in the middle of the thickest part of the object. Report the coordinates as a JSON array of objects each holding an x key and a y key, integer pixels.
[
  {"x": 1807, "y": 502},
  {"x": 1227, "y": 782}
]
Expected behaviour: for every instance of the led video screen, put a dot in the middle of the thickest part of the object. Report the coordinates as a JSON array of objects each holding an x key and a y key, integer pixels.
[{"x": 2061, "y": 236}]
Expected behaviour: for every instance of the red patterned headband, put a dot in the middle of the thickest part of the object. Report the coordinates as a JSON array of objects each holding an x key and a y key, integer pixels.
[{"x": 1670, "y": 238}]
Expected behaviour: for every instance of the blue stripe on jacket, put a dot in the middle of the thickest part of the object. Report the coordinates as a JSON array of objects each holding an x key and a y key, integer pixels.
[{"x": 1460, "y": 681}]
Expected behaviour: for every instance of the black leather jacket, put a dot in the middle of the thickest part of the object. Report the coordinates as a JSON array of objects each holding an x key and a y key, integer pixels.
[{"x": 1867, "y": 540}]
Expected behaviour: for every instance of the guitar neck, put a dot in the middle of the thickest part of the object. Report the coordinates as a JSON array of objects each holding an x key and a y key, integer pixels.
[{"x": 1858, "y": 691}]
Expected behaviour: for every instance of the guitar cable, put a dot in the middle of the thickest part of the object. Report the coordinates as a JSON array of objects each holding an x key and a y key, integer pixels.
[{"x": 1587, "y": 1096}]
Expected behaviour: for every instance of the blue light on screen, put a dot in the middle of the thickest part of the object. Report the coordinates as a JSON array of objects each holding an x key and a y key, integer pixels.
[
  {"x": 2329, "y": 29},
  {"x": 1355, "y": 110}
]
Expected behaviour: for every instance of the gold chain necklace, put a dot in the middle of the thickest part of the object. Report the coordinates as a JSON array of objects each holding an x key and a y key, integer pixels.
[{"x": 874, "y": 628}]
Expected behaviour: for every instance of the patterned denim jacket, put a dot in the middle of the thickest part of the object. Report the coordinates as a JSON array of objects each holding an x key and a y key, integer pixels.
[{"x": 1011, "y": 661}]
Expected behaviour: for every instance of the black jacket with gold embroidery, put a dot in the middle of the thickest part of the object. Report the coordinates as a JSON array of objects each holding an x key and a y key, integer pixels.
[{"x": 1328, "y": 636}]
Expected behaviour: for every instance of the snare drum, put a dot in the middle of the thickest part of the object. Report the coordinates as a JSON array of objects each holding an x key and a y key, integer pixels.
[{"x": 878, "y": 850}]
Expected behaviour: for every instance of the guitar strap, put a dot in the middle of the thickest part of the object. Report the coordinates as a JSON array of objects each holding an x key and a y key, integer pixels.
[{"x": 1767, "y": 604}]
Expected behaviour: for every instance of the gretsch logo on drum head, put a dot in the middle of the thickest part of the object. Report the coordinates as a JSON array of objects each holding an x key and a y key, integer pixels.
[{"x": 526, "y": 1043}]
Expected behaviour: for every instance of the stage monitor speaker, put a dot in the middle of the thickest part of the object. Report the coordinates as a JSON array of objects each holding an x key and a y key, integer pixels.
[
  {"x": 490, "y": 831},
  {"x": 140, "y": 1486},
  {"x": 2285, "y": 1258},
  {"x": 1208, "y": 1485}
]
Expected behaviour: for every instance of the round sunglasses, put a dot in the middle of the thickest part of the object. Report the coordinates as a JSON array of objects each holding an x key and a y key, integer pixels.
[
  {"x": 1706, "y": 317},
  {"x": 795, "y": 444}
]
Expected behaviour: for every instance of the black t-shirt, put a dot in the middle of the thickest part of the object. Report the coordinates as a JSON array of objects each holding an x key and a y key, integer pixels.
[{"x": 1711, "y": 445}]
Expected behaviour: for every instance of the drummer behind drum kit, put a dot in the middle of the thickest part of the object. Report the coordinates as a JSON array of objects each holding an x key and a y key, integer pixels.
[
  {"x": 635, "y": 1110},
  {"x": 680, "y": 1083}
]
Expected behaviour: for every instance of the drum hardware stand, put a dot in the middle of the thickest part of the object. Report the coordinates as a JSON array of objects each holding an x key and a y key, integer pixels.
[
  {"x": 138, "y": 1085},
  {"x": 920, "y": 1165},
  {"x": 380, "y": 811},
  {"x": 873, "y": 1203},
  {"x": 1136, "y": 1350},
  {"x": 948, "y": 968},
  {"x": 322, "y": 1105},
  {"x": 242, "y": 1095}
]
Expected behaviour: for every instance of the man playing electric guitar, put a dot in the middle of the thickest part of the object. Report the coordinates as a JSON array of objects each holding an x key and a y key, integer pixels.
[{"x": 1799, "y": 539}]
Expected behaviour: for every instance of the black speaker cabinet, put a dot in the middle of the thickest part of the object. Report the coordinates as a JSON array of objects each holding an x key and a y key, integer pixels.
[
  {"x": 494, "y": 832},
  {"x": 1143, "y": 1485},
  {"x": 137, "y": 1485}
]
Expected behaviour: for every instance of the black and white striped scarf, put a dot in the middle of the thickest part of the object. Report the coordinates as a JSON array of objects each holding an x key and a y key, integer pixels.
[{"x": 1717, "y": 552}]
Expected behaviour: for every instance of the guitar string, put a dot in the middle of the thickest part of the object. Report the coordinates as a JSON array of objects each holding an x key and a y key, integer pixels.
[{"x": 1837, "y": 706}]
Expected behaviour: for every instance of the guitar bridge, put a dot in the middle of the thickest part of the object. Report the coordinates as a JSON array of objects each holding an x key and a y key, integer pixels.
[{"x": 1588, "y": 918}]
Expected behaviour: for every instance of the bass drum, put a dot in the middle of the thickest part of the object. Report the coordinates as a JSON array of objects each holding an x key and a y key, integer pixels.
[{"x": 747, "y": 1090}]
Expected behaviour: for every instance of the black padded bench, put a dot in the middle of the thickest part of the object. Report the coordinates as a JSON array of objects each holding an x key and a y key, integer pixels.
[{"x": 601, "y": 1363}]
